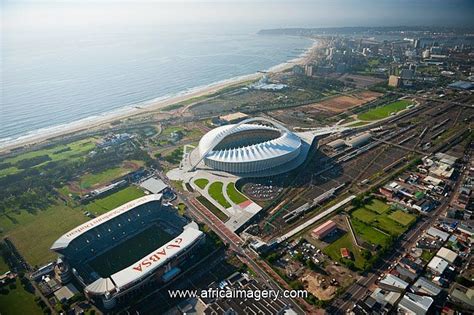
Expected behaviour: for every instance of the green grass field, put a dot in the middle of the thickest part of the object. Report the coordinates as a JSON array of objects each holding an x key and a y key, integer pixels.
[
  {"x": 426, "y": 255},
  {"x": 388, "y": 225},
  {"x": 102, "y": 205},
  {"x": 215, "y": 191},
  {"x": 130, "y": 251},
  {"x": 334, "y": 250},
  {"x": 378, "y": 214},
  {"x": 234, "y": 194},
  {"x": 18, "y": 301},
  {"x": 369, "y": 234},
  {"x": 218, "y": 213},
  {"x": 384, "y": 111},
  {"x": 91, "y": 180},
  {"x": 364, "y": 215},
  {"x": 402, "y": 217},
  {"x": 201, "y": 182},
  {"x": 71, "y": 151},
  {"x": 33, "y": 234},
  {"x": 378, "y": 206}
]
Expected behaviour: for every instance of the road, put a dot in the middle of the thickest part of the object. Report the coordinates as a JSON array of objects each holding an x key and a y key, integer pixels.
[{"x": 234, "y": 241}]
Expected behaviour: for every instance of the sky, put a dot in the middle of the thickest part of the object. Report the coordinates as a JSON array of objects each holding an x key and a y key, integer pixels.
[{"x": 249, "y": 14}]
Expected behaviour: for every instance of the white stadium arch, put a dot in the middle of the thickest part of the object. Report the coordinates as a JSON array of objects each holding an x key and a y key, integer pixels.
[{"x": 247, "y": 152}]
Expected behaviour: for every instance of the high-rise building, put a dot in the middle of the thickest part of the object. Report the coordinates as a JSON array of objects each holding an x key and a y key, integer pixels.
[
  {"x": 308, "y": 70},
  {"x": 394, "y": 81}
]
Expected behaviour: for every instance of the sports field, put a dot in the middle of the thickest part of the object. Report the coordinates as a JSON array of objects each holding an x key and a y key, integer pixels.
[
  {"x": 379, "y": 215},
  {"x": 102, "y": 205},
  {"x": 384, "y": 111},
  {"x": 402, "y": 217},
  {"x": 130, "y": 251},
  {"x": 215, "y": 191},
  {"x": 234, "y": 194},
  {"x": 369, "y": 234},
  {"x": 90, "y": 180},
  {"x": 377, "y": 206}
]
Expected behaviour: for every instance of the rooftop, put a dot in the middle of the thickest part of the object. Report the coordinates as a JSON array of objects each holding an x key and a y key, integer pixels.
[
  {"x": 447, "y": 254},
  {"x": 66, "y": 239}
]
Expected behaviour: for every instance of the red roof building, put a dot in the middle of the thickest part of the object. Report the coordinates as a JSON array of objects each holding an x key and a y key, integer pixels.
[
  {"x": 345, "y": 253},
  {"x": 324, "y": 229}
]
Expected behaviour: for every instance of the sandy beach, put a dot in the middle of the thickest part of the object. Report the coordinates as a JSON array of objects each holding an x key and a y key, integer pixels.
[{"x": 152, "y": 107}]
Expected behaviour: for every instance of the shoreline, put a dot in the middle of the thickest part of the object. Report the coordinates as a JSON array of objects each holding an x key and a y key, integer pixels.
[{"x": 149, "y": 107}]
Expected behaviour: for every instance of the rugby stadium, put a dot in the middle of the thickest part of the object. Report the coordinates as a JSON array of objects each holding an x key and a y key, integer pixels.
[
  {"x": 249, "y": 148},
  {"x": 120, "y": 251}
]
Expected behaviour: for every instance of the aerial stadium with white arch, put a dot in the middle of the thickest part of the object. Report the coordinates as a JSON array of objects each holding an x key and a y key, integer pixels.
[{"x": 246, "y": 148}]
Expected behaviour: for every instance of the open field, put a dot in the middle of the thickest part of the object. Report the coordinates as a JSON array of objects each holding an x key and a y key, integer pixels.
[
  {"x": 201, "y": 182},
  {"x": 18, "y": 301},
  {"x": 342, "y": 103},
  {"x": 33, "y": 234},
  {"x": 402, "y": 217},
  {"x": 99, "y": 179},
  {"x": 364, "y": 215},
  {"x": 102, "y": 205},
  {"x": 388, "y": 225},
  {"x": 360, "y": 81},
  {"x": 384, "y": 111},
  {"x": 378, "y": 214},
  {"x": 334, "y": 250},
  {"x": 234, "y": 194},
  {"x": 71, "y": 151},
  {"x": 369, "y": 234},
  {"x": 377, "y": 206},
  {"x": 215, "y": 191},
  {"x": 91, "y": 180}
]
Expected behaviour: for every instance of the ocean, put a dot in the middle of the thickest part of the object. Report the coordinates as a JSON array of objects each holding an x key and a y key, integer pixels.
[{"x": 52, "y": 77}]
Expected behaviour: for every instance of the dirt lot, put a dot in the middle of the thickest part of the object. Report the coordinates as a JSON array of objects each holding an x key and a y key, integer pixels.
[
  {"x": 319, "y": 286},
  {"x": 342, "y": 103},
  {"x": 322, "y": 286},
  {"x": 360, "y": 81}
]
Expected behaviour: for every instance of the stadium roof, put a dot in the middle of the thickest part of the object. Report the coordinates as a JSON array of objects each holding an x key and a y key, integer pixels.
[
  {"x": 66, "y": 239},
  {"x": 154, "y": 185},
  {"x": 158, "y": 258},
  {"x": 286, "y": 143},
  {"x": 101, "y": 286}
]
